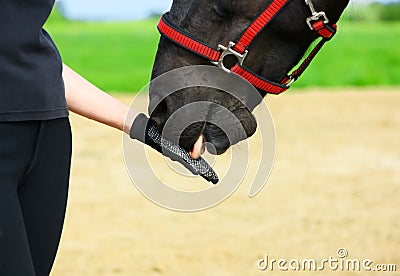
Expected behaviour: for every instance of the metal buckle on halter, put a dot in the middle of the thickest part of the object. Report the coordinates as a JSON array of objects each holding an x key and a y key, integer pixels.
[
  {"x": 228, "y": 51},
  {"x": 315, "y": 16},
  {"x": 290, "y": 82}
]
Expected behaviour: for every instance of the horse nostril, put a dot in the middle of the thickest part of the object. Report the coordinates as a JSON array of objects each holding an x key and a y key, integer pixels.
[
  {"x": 217, "y": 142},
  {"x": 211, "y": 148}
]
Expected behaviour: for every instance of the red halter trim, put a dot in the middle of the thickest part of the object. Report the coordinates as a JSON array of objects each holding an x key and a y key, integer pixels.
[
  {"x": 258, "y": 81},
  {"x": 326, "y": 32},
  {"x": 318, "y": 22},
  {"x": 185, "y": 40},
  {"x": 259, "y": 24}
]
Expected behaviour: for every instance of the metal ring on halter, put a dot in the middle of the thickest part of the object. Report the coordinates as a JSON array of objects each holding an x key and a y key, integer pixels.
[{"x": 229, "y": 51}]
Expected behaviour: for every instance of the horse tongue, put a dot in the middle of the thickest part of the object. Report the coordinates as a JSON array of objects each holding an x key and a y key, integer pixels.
[{"x": 198, "y": 148}]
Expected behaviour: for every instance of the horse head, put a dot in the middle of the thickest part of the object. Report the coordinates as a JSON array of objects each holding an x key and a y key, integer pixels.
[{"x": 276, "y": 49}]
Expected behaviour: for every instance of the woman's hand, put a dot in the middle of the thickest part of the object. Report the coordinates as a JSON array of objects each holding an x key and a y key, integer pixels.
[{"x": 145, "y": 131}]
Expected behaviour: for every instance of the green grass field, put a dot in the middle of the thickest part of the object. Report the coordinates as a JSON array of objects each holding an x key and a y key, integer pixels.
[{"x": 118, "y": 56}]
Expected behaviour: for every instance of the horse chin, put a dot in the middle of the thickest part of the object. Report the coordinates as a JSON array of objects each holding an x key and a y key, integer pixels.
[
  {"x": 229, "y": 131},
  {"x": 216, "y": 140},
  {"x": 217, "y": 137}
]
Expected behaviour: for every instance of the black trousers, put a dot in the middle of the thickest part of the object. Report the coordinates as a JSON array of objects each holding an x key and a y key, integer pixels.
[{"x": 35, "y": 160}]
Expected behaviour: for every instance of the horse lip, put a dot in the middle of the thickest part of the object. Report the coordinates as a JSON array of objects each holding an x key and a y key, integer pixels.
[{"x": 198, "y": 148}]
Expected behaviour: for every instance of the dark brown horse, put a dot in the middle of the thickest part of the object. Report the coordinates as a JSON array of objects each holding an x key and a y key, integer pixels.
[{"x": 273, "y": 53}]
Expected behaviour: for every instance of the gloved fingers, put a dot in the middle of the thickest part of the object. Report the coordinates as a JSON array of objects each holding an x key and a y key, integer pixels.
[
  {"x": 195, "y": 166},
  {"x": 145, "y": 130}
]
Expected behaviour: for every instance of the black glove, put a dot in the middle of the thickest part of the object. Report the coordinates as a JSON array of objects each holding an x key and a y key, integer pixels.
[{"x": 145, "y": 130}]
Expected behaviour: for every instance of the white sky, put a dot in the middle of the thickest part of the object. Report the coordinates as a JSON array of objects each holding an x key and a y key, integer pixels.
[{"x": 131, "y": 9}]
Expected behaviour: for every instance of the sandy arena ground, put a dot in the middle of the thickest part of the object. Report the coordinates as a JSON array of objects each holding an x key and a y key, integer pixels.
[{"x": 335, "y": 184}]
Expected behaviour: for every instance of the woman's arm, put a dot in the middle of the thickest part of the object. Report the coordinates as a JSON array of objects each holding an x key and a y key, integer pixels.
[{"x": 89, "y": 101}]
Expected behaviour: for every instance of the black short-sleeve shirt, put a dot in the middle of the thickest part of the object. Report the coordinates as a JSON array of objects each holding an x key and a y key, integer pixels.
[{"x": 31, "y": 84}]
